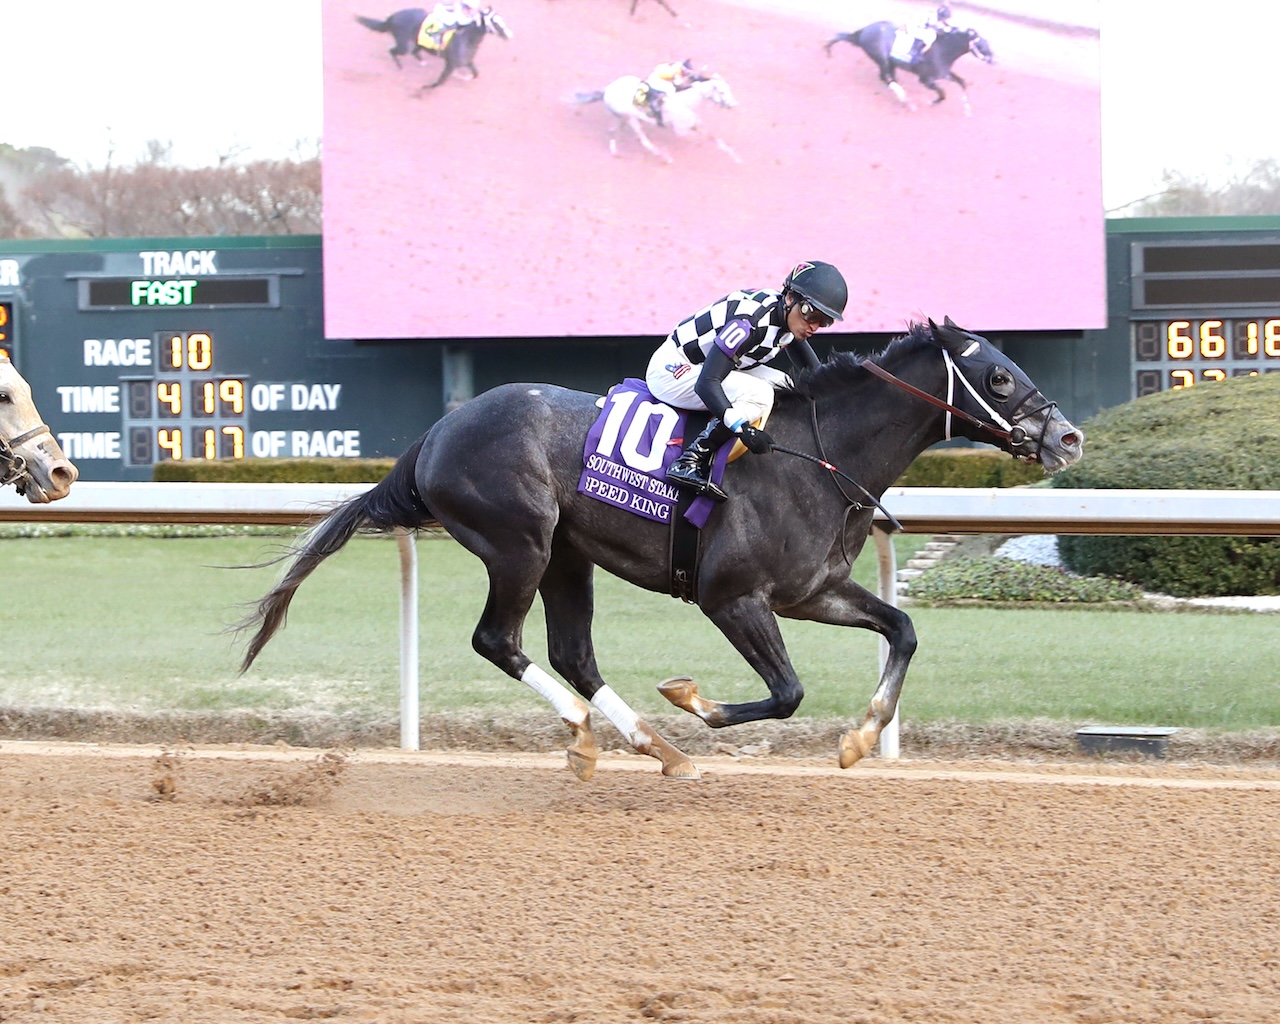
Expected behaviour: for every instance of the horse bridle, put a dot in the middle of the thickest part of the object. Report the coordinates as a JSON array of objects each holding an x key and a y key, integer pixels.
[
  {"x": 13, "y": 467},
  {"x": 1007, "y": 430}
]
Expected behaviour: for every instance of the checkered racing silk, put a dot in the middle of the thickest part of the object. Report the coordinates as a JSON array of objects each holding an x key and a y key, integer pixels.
[{"x": 766, "y": 317}]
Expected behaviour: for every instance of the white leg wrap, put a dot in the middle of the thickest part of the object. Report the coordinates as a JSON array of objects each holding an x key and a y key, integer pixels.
[
  {"x": 619, "y": 713},
  {"x": 568, "y": 705}
]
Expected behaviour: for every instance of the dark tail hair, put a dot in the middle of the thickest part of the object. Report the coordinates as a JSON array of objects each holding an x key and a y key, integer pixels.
[
  {"x": 843, "y": 37},
  {"x": 377, "y": 26},
  {"x": 394, "y": 502}
]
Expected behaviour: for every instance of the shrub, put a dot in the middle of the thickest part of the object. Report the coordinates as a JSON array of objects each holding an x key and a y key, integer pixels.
[
  {"x": 1219, "y": 436},
  {"x": 992, "y": 578},
  {"x": 274, "y": 471},
  {"x": 968, "y": 467}
]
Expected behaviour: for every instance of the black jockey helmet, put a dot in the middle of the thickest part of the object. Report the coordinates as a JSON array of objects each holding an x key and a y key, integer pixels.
[{"x": 821, "y": 284}]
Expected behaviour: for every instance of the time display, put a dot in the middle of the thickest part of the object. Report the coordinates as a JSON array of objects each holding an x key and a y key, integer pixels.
[
  {"x": 186, "y": 410},
  {"x": 1181, "y": 353},
  {"x": 6, "y": 328}
]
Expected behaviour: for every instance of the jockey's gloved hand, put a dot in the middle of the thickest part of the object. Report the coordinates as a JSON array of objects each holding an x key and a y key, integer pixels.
[{"x": 757, "y": 441}]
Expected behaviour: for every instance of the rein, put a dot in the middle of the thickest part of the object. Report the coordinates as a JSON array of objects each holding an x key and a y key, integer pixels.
[{"x": 1004, "y": 430}]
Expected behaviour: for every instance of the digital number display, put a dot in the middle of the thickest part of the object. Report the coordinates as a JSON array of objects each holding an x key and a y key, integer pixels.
[
  {"x": 153, "y": 293},
  {"x": 6, "y": 329},
  {"x": 187, "y": 410},
  {"x": 1181, "y": 353}
]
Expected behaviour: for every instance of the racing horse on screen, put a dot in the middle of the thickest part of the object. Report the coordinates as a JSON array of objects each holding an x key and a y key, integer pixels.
[
  {"x": 934, "y": 66},
  {"x": 500, "y": 474},
  {"x": 30, "y": 456},
  {"x": 416, "y": 33},
  {"x": 678, "y": 113}
]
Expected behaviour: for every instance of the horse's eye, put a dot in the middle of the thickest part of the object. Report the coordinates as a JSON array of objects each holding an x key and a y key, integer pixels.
[
  {"x": 5, "y": 397},
  {"x": 1001, "y": 382}
]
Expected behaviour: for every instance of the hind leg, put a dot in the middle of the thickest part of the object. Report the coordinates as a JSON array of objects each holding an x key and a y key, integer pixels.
[
  {"x": 515, "y": 563},
  {"x": 568, "y": 598}
]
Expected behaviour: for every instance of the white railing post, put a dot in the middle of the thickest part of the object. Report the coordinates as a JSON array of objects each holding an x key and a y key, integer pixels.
[
  {"x": 887, "y": 563},
  {"x": 409, "y": 708}
]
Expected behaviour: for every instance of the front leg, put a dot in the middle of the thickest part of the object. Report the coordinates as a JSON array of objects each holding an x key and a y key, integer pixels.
[
  {"x": 634, "y": 122},
  {"x": 964, "y": 92},
  {"x": 932, "y": 85},
  {"x": 448, "y": 70},
  {"x": 748, "y": 624},
  {"x": 848, "y": 604}
]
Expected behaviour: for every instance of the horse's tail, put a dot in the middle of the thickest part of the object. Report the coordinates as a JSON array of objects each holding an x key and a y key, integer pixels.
[
  {"x": 588, "y": 97},
  {"x": 394, "y": 502},
  {"x": 377, "y": 26},
  {"x": 843, "y": 37}
]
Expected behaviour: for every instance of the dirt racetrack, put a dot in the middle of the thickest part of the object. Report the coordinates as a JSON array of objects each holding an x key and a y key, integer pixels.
[{"x": 257, "y": 884}]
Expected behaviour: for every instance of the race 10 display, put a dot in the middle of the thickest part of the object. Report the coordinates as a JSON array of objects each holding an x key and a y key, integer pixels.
[
  {"x": 153, "y": 351},
  {"x": 1202, "y": 309},
  {"x": 513, "y": 203}
]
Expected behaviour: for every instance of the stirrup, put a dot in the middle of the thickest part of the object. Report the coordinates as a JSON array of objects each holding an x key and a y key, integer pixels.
[{"x": 689, "y": 477}]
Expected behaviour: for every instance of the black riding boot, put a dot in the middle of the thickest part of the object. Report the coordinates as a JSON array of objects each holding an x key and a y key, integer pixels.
[{"x": 693, "y": 468}]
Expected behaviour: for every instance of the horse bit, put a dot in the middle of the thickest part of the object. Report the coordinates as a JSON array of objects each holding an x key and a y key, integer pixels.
[{"x": 13, "y": 467}]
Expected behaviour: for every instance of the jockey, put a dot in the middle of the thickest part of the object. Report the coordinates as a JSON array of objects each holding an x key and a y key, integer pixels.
[
  {"x": 668, "y": 77},
  {"x": 926, "y": 31},
  {"x": 446, "y": 16},
  {"x": 715, "y": 360}
]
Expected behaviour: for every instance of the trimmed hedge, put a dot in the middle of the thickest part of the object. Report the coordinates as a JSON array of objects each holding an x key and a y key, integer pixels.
[
  {"x": 968, "y": 467},
  {"x": 1218, "y": 436},
  {"x": 992, "y": 578},
  {"x": 944, "y": 467},
  {"x": 275, "y": 471}
]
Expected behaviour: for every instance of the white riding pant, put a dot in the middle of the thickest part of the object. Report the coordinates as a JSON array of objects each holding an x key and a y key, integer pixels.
[{"x": 671, "y": 378}]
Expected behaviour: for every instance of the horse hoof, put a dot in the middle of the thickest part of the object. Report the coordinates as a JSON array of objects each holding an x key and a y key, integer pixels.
[
  {"x": 853, "y": 748},
  {"x": 581, "y": 765},
  {"x": 680, "y": 691},
  {"x": 682, "y": 770}
]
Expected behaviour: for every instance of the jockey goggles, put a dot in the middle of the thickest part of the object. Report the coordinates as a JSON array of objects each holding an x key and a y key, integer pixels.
[{"x": 811, "y": 314}]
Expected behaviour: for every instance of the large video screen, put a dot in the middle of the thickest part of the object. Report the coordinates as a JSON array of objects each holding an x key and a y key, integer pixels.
[{"x": 514, "y": 202}]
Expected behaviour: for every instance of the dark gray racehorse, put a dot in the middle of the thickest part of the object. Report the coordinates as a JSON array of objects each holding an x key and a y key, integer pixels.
[
  {"x": 459, "y": 52},
  {"x": 500, "y": 474},
  {"x": 876, "y": 41}
]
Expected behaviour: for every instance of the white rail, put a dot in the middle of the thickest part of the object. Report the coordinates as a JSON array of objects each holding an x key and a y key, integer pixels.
[{"x": 919, "y": 509}]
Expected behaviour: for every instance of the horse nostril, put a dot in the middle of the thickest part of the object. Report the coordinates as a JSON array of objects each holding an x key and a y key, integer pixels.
[{"x": 1071, "y": 440}]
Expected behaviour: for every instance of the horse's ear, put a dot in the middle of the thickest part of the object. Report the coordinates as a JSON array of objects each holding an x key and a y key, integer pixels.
[{"x": 953, "y": 337}]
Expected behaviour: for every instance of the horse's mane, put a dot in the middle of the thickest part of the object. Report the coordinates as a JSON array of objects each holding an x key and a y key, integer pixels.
[{"x": 840, "y": 368}]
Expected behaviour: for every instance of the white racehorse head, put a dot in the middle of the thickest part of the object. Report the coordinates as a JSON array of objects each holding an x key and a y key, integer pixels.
[{"x": 30, "y": 457}]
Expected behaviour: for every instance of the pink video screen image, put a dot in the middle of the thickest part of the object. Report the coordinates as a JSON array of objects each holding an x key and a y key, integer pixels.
[{"x": 515, "y": 202}]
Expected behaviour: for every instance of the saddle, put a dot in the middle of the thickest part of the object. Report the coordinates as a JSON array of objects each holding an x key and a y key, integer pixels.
[
  {"x": 907, "y": 46},
  {"x": 434, "y": 37},
  {"x": 627, "y": 451}
]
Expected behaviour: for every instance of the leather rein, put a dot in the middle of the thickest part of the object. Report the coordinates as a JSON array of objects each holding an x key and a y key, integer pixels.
[
  {"x": 1005, "y": 429},
  {"x": 1002, "y": 428}
]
